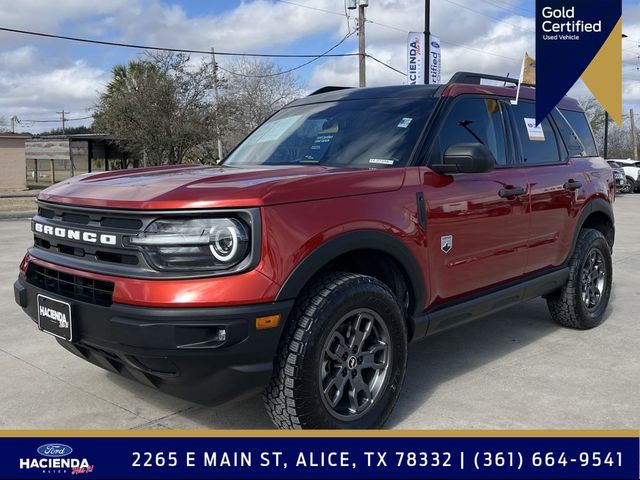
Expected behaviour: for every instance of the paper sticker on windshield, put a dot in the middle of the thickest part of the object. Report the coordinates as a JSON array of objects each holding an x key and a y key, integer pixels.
[
  {"x": 536, "y": 134},
  {"x": 405, "y": 122},
  {"x": 381, "y": 161}
]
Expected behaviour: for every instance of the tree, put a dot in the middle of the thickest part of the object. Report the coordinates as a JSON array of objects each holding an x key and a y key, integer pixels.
[
  {"x": 159, "y": 108},
  {"x": 68, "y": 131},
  {"x": 4, "y": 126},
  {"x": 251, "y": 91}
]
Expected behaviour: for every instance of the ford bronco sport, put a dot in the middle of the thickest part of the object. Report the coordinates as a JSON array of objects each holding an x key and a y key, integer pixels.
[{"x": 352, "y": 222}]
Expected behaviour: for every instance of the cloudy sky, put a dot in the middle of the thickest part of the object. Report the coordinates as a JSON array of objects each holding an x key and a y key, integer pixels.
[{"x": 41, "y": 76}]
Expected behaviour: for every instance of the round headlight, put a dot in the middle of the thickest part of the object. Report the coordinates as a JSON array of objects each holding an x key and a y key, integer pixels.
[{"x": 224, "y": 242}]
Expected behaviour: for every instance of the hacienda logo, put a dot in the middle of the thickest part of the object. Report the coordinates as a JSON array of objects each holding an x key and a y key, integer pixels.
[
  {"x": 578, "y": 39},
  {"x": 54, "y": 459},
  {"x": 59, "y": 317}
]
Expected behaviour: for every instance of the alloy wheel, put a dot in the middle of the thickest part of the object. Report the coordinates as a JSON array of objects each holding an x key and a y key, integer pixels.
[
  {"x": 593, "y": 279},
  {"x": 355, "y": 363}
]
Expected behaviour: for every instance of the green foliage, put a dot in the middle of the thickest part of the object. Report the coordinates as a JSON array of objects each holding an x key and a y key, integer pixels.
[
  {"x": 69, "y": 131},
  {"x": 158, "y": 107},
  {"x": 162, "y": 108}
]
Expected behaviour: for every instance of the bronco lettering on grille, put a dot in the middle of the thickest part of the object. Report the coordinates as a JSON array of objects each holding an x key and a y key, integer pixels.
[{"x": 72, "y": 234}]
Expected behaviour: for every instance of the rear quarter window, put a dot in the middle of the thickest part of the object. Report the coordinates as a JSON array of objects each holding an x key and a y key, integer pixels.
[{"x": 581, "y": 127}]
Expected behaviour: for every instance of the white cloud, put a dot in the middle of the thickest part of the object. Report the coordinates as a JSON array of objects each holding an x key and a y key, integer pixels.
[{"x": 39, "y": 76}]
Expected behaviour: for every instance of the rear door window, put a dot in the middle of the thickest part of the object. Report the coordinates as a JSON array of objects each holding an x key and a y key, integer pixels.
[{"x": 538, "y": 142}]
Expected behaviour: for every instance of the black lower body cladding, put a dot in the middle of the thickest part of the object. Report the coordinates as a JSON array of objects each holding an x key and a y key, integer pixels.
[{"x": 175, "y": 350}]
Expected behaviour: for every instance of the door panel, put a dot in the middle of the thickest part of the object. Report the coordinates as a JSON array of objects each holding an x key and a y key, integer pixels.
[
  {"x": 553, "y": 183},
  {"x": 553, "y": 214},
  {"x": 489, "y": 233}
]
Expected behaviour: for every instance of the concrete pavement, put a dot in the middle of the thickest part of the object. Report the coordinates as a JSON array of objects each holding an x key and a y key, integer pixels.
[{"x": 513, "y": 370}]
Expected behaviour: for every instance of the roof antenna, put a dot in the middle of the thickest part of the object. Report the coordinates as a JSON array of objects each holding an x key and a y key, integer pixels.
[{"x": 505, "y": 83}]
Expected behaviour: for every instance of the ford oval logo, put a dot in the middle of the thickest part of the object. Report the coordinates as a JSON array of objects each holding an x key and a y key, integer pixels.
[
  {"x": 54, "y": 450},
  {"x": 435, "y": 44}
]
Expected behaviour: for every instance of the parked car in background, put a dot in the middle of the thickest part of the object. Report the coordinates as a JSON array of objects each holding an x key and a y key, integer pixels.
[
  {"x": 622, "y": 184},
  {"x": 631, "y": 171}
]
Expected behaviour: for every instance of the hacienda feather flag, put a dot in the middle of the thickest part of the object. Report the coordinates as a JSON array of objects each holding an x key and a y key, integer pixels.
[{"x": 574, "y": 39}]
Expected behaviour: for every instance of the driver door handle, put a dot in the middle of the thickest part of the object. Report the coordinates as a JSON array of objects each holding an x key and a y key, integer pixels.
[
  {"x": 512, "y": 192},
  {"x": 572, "y": 185}
]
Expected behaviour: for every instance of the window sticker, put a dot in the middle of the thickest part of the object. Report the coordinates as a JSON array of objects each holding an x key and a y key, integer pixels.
[
  {"x": 322, "y": 142},
  {"x": 405, "y": 122},
  {"x": 382, "y": 161},
  {"x": 536, "y": 133}
]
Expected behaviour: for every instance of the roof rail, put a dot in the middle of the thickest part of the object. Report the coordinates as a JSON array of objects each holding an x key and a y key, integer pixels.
[
  {"x": 476, "y": 78},
  {"x": 328, "y": 89}
]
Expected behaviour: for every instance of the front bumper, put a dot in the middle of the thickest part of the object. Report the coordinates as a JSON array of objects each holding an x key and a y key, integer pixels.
[{"x": 171, "y": 349}]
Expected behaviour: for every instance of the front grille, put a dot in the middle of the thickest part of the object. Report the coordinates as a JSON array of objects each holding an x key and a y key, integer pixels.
[
  {"x": 70, "y": 286},
  {"x": 99, "y": 221}
]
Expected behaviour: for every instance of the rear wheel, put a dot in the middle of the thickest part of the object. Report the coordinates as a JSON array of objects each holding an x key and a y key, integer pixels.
[
  {"x": 343, "y": 359},
  {"x": 582, "y": 302}
]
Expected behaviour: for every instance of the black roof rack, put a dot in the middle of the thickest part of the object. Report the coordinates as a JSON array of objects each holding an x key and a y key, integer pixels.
[
  {"x": 475, "y": 78},
  {"x": 328, "y": 89}
]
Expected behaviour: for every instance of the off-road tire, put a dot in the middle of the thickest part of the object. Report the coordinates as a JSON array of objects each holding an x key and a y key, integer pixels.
[
  {"x": 294, "y": 397},
  {"x": 566, "y": 305}
]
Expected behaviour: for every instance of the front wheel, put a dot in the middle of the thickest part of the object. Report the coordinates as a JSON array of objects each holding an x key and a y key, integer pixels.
[
  {"x": 582, "y": 302},
  {"x": 627, "y": 186},
  {"x": 343, "y": 359}
]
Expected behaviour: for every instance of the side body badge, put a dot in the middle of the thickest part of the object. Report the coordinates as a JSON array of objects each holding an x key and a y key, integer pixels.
[{"x": 446, "y": 243}]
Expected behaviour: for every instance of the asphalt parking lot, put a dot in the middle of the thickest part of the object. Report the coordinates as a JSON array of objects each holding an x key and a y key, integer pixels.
[{"x": 514, "y": 370}]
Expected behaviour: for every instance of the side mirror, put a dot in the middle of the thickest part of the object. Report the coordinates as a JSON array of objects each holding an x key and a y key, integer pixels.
[{"x": 466, "y": 158}]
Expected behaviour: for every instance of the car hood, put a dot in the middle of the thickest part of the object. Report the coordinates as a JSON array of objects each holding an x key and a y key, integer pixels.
[{"x": 200, "y": 187}]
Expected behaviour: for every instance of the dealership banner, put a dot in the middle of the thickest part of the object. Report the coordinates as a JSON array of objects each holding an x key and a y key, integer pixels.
[
  {"x": 421, "y": 54},
  {"x": 415, "y": 58},
  {"x": 335, "y": 455},
  {"x": 579, "y": 39},
  {"x": 435, "y": 60}
]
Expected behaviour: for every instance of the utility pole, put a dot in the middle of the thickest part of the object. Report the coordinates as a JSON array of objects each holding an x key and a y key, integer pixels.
[
  {"x": 216, "y": 93},
  {"x": 362, "y": 4},
  {"x": 427, "y": 37},
  {"x": 63, "y": 113},
  {"x": 606, "y": 134},
  {"x": 634, "y": 141},
  {"x": 14, "y": 119}
]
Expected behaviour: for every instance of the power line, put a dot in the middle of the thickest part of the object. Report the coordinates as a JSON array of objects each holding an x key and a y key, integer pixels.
[
  {"x": 386, "y": 65},
  {"x": 486, "y": 52},
  {"x": 311, "y": 8},
  {"x": 508, "y": 7},
  {"x": 53, "y": 121},
  {"x": 171, "y": 49},
  {"x": 490, "y": 16},
  {"x": 325, "y": 54}
]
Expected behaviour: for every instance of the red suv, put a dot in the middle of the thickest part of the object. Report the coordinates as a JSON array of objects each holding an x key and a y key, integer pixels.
[{"x": 352, "y": 222}]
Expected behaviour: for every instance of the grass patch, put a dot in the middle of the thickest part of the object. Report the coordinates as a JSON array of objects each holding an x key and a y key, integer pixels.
[{"x": 18, "y": 204}]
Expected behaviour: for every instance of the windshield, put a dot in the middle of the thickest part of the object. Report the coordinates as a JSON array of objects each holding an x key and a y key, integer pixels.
[{"x": 373, "y": 133}]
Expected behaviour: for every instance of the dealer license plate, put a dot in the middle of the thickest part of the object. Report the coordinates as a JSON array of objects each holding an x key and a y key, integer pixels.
[{"x": 54, "y": 317}]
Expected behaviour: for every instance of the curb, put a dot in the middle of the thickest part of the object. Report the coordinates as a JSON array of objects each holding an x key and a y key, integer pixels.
[
  {"x": 20, "y": 195},
  {"x": 16, "y": 215}
]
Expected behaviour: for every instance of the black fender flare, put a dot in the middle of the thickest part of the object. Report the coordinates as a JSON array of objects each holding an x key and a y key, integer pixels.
[
  {"x": 599, "y": 205},
  {"x": 351, "y": 241}
]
